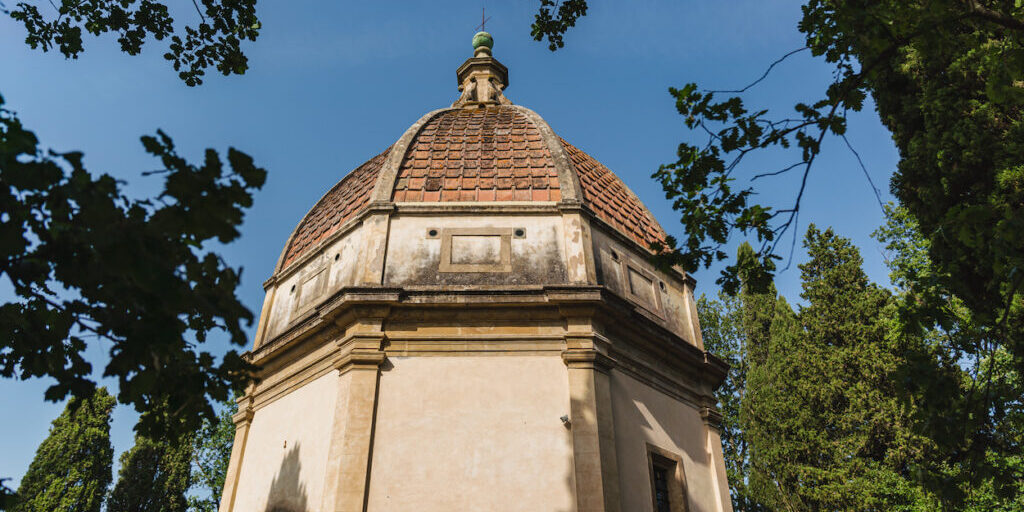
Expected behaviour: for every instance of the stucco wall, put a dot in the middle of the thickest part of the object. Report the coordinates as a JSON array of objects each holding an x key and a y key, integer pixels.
[
  {"x": 332, "y": 267},
  {"x": 286, "y": 452},
  {"x": 644, "y": 415},
  {"x": 668, "y": 299},
  {"x": 537, "y": 257},
  {"x": 472, "y": 433}
]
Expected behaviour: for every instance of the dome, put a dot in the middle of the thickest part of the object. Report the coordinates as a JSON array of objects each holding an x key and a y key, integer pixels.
[
  {"x": 481, "y": 153},
  {"x": 478, "y": 297}
]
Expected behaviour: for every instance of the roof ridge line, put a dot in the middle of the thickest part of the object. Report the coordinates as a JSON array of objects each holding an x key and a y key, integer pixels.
[
  {"x": 291, "y": 237},
  {"x": 389, "y": 170},
  {"x": 568, "y": 181}
]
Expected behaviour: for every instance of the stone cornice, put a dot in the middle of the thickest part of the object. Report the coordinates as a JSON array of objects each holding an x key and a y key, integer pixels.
[
  {"x": 616, "y": 319},
  {"x": 360, "y": 359},
  {"x": 479, "y": 208}
]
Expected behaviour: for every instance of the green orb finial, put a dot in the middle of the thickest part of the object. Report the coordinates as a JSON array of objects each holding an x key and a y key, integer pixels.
[{"x": 483, "y": 39}]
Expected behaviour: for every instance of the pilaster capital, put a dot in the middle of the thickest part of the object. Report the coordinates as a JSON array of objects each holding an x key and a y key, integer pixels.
[
  {"x": 587, "y": 359},
  {"x": 711, "y": 417},
  {"x": 359, "y": 359},
  {"x": 244, "y": 416}
]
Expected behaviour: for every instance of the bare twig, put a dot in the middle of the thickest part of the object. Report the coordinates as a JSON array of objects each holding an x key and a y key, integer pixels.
[
  {"x": 765, "y": 74},
  {"x": 874, "y": 189},
  {"x": 778, "y": 172},
  {"x": 199, "y": 11}
]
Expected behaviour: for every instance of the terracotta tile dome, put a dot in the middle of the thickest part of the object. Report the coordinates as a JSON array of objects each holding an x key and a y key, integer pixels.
[
  {"x": 483, "y": 149},
  {"x": 490, "y": 154},
  {"x": 482, "y": 154}
]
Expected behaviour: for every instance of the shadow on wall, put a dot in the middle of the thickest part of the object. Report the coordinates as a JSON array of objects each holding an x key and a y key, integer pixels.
[
  {"x": 287, "y": 492},
  {"x": 570, "y": 478}
]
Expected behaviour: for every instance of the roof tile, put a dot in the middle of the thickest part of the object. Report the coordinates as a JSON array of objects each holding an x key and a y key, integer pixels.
[
  {"x": 339, "y": 204},
  {"x": 607, "y": 196},
  {"x": 476, "y": 145}
]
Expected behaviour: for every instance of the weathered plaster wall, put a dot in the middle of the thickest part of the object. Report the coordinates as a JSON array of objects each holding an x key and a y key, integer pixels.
[
  {"x": 626, "y": 271},
  {"x": 644, "y": 415},
  {"x": 332, "y": 267},
  {"x": 472, "y": 433},
  {"x": 414, "y": 256},
  {"x": 286, "y": 453}
]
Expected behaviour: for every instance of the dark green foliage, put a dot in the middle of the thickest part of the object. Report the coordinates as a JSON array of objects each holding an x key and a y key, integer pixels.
[
  {"x": 737, "y": 329},
  {"x": 7, "y": 495},
  {"x": 211, "y": 453},
  {"x": 86, "y": 261},
  {"x": 946, "y": 77},
  {"x": 214, "y": 41},
  {"x": 968, "y": 392},
  {"x": 824, "y": 412},
  {"x": 813, "y": 415},
  {"x": 154, "y": 476},
  {"x": 552, "y": 28},
  {"x": 71, "y": 469}
]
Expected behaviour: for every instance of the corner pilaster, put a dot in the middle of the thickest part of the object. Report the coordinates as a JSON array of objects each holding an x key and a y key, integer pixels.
[
  {"x": 375, "y": 243},
  {"x": 360, "y": 357},
  {"x": 593, "y": 429},
  {"x": 242, "y": 419},
  {"x": 716, "y": 459}
]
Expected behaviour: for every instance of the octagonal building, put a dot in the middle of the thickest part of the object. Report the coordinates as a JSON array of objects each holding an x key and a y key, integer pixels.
[{"x": 470, "y": 321}]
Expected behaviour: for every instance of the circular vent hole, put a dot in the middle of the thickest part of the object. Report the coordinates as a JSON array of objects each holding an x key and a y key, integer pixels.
[
  {"x": 615, "y": 256},
  {"x": 432, "y": 232},
  {"x": 336, "y": 256},
  {"x": 520, "y": 232},
  {"x": 662, "y": 283},
  {"x": 293, "y": 288}
]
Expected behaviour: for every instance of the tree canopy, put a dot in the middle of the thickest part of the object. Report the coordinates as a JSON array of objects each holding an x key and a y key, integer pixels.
[
  {"x": 71, "y": 469},
  {"x": 211, "y": 454},
  {"x": 88, "y": 262},
  {"x": 154, "y": 476},
  {"x": 213, "y": 38},
  {"x": 947, "y": 79},
  {"x": 849, "y": 404}
]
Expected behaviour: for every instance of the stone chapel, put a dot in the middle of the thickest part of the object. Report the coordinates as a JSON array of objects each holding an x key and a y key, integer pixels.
[{"x": 470, "y": 321}]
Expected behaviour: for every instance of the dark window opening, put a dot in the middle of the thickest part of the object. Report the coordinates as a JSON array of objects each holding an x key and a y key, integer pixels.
[
  {"x": 661, "y": 500},
  {"x": 667, "y": 487}
]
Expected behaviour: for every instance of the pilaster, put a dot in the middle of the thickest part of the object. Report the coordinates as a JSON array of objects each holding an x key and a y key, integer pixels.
[
  {"x": 242, "y": 419},
  {"x": 716, "y": 460},
  {"x": 590, "y": 414},
  {"x": 351, "y": 448},
  {"x": 579, "y": 248},
  {"x": 375, "y": 244}
]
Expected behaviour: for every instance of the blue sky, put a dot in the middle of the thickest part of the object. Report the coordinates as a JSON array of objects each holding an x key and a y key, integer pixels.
[{"x": 333, "y": 83}]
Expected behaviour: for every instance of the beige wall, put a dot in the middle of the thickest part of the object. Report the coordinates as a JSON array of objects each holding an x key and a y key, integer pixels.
[
  {"x": 644, "y": 415},
  {"x": 472, "y": 433},
  {"x": 331, "y": 268},
  {"x": 536, "y": 258},
  {"x": 668, "y": 299},
  {"x": 276, "y": 475}
]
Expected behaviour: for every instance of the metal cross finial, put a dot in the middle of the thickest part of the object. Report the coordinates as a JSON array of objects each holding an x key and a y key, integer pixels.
[{"x": 483, "y": 20}]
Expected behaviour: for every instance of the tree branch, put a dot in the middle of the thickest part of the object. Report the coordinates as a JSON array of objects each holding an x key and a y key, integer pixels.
[{"x": 980, "y": 11}]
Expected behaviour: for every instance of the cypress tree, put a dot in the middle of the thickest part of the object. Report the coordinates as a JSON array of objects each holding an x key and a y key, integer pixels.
[
  {"x": 829, "y": 429},
  {"x": 736, "y": 328},
  {"x": 71, "y": 469},
  {"x": 154, "y": 476}
]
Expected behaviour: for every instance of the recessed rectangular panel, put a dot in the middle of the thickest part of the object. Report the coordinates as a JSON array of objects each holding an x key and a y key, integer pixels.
[
  {"x": 309, "y": 290},
  {"x": 476, "y": 250},
  {"x": 641, "y": 286}
]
